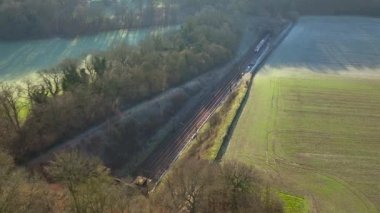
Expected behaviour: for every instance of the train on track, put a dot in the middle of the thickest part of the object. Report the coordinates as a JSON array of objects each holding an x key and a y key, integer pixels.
[
  {"x": 262, "y": 43},
  {"x": 259, "y": 48}
]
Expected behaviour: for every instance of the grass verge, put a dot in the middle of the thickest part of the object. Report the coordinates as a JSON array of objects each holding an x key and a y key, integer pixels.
[{"x": 211, "y": 136}]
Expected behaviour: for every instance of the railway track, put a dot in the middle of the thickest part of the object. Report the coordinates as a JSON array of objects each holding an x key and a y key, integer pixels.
[{"x": 155, "y": 166}]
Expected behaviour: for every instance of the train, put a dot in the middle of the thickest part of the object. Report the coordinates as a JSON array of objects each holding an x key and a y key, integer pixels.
[
  {"x": 262, "y": 43},
  {"x": 258, "y": 49}
]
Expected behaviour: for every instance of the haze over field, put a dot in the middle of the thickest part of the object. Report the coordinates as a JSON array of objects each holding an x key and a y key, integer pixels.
[{"x": 19, "y": 58}]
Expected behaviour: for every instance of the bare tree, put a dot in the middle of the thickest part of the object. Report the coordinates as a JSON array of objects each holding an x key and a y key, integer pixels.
[
  {"x": 244, "y": 186},
  {"x": 186, "y": 188},
  {"x": 19, "y": 192},
  {"x": 37, "y": 94},
  {"x": 52, "y": 81},
  {"x": 201, "y": 186},
  {"x": 10, "y": 105},
  {"x": 91, "y": 187},
  {"x": 96, "y": 67}
]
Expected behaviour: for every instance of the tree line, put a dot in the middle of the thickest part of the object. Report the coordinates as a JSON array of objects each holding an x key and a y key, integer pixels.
[
  {"x": 26, "y": 19},
  {"x": 23, "y": 19},
  {"x": 294, "y": 8},
  {"x": 81, "y": 183}
]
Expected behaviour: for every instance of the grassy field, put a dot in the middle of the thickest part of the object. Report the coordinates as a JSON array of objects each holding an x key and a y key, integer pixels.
[
  {"x": 313, "y": 117},
  {"x": 24, "y": 57}
]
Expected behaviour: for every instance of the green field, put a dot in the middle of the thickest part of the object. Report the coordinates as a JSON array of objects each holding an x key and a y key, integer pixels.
[
  {"x": 312, "y": 120},
  {"x": 20, "y": 58}
]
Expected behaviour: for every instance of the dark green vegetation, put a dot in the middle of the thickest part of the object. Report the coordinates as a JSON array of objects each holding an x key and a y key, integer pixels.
[{"x": 312, "y": 120}]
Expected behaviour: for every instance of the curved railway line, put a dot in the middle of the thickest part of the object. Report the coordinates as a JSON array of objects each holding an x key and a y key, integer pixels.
[{"x": 156, "y": 165}]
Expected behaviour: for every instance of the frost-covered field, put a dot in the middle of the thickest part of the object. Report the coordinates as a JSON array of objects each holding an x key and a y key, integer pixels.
[
  {"x": 331, "y": 44},
  {"x": 21, "y": 58}
]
